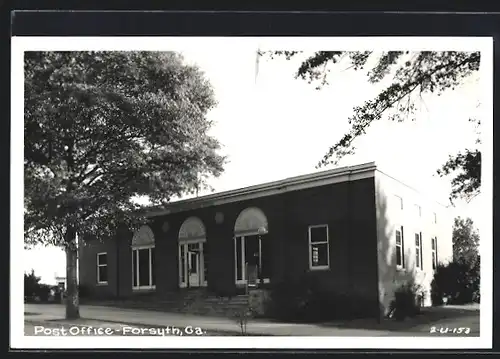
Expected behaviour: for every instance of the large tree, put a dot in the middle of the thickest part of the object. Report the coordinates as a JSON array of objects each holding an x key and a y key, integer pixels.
[
  {"x": 409, "y": 75},
  {"x": 102, "y": 128},
  {"x": 465, "y": 242}
]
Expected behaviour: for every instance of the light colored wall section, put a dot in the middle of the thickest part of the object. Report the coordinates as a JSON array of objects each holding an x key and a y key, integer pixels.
[{"x": 389, "y": 217}]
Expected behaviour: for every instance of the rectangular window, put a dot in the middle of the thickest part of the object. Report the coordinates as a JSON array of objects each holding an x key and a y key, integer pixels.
[
  {"x": 418, "y": 211},
  {"x": 319, "y": 257},
  {"x": 102, "y": 268},
  {"x": 418, "y": 250},
  {"x": 239, "y": 262},
  {"x": 434, "y": 253},
  {"x": 143, "y": 275},
  {"x": 435, "y": 217},
  {"x": 399, "y": 202},
  {"x": 400, "y": 252}
]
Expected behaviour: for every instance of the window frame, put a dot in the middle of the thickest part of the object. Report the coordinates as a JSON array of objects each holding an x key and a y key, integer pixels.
[
  {"x": 434, "y": 252},
  {"x": 401, "y": 246},
  {"x": 99, "y": 265},
  {"x": 135, "y": 251},
  {"x": 418, "y": 210},
  {"x": 400, "y": 200},
  {"x": 419, "y": 263},
  {"x": 327, "y": 242}
]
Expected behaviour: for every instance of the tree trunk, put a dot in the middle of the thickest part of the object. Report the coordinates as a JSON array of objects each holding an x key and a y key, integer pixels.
[{"x": 72, "y": 300}]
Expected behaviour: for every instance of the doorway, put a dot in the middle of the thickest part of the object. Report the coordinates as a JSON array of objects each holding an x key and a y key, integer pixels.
[{"x": 192, "y": 271}]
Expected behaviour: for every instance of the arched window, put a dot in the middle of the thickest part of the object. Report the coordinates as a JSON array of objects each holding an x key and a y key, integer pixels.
[
  {"x": 193, "y": 254},
  {"x": 143, "y": 259},
  {"x": 251, "y": 221}
]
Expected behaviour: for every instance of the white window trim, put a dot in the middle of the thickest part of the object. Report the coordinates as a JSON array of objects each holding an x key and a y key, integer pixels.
[
  {"x": 241, "y": 238},
  {"x": 402, "y": 245},
  {"x": 434, "y": 251},
  {"x": 311, "y": 267},
  {"x": 135, "y": 250},
  {"x": 99, "y": 281},
  {"x": 420, "y": 254}
]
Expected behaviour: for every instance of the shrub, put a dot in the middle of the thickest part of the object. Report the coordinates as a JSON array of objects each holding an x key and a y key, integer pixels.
[
  {"x": 43, "y": 292},
  {"x": 31, "y": 284},
  {"x": 407, "y": 301},
  {"x": 458, "y": 281},
  {"x": 34, "y": 290},
  {"x": 308, "y": 301}
]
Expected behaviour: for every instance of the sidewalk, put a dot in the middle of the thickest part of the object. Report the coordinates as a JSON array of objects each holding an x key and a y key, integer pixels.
[{"x": 143, "y": 318}]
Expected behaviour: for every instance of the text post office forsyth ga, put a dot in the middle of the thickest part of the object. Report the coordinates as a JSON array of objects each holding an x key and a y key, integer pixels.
[{"x": 124, "y": 330}]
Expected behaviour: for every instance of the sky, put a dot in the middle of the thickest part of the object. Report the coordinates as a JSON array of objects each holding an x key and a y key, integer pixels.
[{"x": 274, "y": 126}]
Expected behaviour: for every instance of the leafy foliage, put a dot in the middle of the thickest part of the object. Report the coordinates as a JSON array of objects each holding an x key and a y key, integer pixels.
[
  {"x": 34, "y": 289},
  {"x": 458, "y": 282},
  {"x": 308, "y": 300},
  {"x": 411, "y": 74},
  {"x": 466, "y": 166},
  {"x": 104, "y": 127},
  {"x": 465, "y": 242},
  {"x": 406, "y": 301}
]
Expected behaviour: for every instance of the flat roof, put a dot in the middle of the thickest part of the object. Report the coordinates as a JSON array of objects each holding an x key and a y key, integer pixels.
[{"x": 315, "y": 179}]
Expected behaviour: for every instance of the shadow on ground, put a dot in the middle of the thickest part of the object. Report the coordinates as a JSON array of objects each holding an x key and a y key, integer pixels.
[{"x": 433, "y": 316}]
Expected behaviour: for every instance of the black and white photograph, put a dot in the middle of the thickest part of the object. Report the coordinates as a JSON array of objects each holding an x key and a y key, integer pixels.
[{"x": 289, "y": 192}]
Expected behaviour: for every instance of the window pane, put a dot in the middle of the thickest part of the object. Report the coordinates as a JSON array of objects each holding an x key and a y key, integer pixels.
[
  {"x": 102, "y": 259},
  {"x": 417, "y": 259},
  {"x": 193, "y": 262},
  {"x": 319, "y": 254},
  {"x": 134, "y": 268},
  {"x": 399, "y": 257},
  {"x": 153, "y": 267},
  {"x": 194, "y": 247},
  {"x": 239, "y": 274},
  {"x": 318, "y": 234},
  {"x": 252, "y": 250},
  {"x": 143, "y": 267},
  {"x": 433, "y": 260},
  {"x": 417, "y": 240},
  {"x": 398, "y": 237},
  {"x": 103, "y": 273}
]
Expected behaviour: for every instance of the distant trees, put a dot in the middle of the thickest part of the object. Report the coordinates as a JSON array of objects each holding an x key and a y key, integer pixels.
[
  {"x": 34, "y": 289},
  {"x": 460, "y": 280},
  {"x": 465, "y": 242}
]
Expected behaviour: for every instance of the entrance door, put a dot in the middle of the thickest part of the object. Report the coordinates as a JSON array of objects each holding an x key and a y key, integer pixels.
[
  {"x": 194, "y": 264},
  {"x": 191, "y": 266}
]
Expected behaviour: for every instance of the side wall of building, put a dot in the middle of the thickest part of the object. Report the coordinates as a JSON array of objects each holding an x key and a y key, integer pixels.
[{"x": 433, "y": 220}]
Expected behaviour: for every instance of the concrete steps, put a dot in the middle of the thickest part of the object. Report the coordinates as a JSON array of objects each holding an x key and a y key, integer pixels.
[{"x": 189, "y": 301}]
